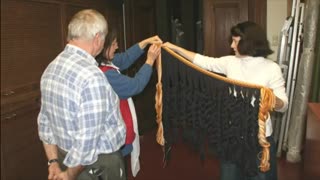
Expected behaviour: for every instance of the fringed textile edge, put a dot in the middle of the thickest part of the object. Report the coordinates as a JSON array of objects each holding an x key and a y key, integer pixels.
[
  {"x": 267, "y": 103},
  {"x": 158, "y": 105}
]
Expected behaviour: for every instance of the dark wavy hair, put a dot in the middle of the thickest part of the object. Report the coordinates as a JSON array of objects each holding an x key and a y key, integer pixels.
[
  {"x": 253, "y": 40},
  {"x": 111, "y": 36}
]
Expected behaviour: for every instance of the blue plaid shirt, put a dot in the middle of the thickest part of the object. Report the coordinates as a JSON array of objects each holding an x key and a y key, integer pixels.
[{"x": 79, "y": 110}]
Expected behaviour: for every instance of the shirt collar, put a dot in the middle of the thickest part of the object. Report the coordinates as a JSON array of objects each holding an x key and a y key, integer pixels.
[{"x": 75, "y": 49}]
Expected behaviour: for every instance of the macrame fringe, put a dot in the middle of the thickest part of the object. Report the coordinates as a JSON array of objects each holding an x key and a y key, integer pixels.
[
  {"x": 267, "y": 103},
  {"x": 158, "y": 105}
]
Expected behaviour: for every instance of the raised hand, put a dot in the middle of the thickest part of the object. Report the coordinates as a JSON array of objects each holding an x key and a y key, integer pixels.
[
  {"x": 150, "y": 40},
  {"x": 169, "y": 45},
  {"x": 153, "y": 53}
]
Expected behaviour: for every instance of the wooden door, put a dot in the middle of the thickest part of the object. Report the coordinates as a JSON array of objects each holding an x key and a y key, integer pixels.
[
  {"x": 220, "y": 15},
  {"x": 141, "y": 24}
]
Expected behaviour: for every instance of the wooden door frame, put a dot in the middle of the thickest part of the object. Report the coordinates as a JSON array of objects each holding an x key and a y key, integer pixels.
[{"x": 257, "y": 12}]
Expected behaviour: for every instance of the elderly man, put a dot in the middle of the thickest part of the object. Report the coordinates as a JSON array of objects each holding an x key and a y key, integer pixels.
[{"x": 80, "y": 123}]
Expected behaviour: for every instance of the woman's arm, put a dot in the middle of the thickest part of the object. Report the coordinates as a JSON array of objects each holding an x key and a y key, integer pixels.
[
  {"x": 277, "y": 84},
  {"x": 125, "y": 86},
  {"x": 126, "y": 59},
  {"x": 183, "y": 52}
]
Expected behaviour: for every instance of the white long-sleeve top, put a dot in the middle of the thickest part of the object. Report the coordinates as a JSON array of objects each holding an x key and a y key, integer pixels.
[{"x": 255, "y": 70}]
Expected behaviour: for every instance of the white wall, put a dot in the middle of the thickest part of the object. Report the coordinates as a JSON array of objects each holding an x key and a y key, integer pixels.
[{"x": 276, "y": 16}]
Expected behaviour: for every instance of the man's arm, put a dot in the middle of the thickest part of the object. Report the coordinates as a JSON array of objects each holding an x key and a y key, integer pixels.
[{"x": 51, "y": 151}]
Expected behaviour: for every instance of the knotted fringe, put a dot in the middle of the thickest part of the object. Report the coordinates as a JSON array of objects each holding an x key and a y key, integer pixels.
[
  {"x": 267, "y": 102},
  {"x": 158, "y": 105}
]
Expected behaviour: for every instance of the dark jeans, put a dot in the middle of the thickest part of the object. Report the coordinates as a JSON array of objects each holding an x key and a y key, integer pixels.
[
  {"x": 230, "y": 171},
  {"x": 107, "y": 167}
]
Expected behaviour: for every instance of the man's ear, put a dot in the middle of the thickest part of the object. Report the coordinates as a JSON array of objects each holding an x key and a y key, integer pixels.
[{"x": 96, "y": 40}]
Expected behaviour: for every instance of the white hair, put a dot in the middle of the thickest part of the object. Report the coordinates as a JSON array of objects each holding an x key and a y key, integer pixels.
[{"x": 86, "y": 24}]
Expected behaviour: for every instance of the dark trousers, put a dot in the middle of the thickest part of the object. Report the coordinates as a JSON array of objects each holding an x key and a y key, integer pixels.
[
  {"x": 230, "y": 171},
  {"x": 107, "y": 167}
]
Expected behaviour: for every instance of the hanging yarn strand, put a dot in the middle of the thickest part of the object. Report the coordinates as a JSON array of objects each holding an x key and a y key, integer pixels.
[
  {"x": 267, "y": 103},
  {"x": 158, "y": 99}
]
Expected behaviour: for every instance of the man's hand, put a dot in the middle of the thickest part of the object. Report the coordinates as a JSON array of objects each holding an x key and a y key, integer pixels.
[
  {"x": 54, "y": 170},
  {"x": 69, "y": 174}
]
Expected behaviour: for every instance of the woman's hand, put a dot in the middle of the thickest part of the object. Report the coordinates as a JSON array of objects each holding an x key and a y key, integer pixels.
[
  {"x": 153, "y": 53},
  {"x": 150, "y": 40},
  {"x": 278, "y": 104},
  {"x": 169, "y": 45}
]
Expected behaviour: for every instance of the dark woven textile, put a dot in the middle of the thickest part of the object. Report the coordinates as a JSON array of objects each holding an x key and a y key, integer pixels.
[{"x": 210, "y": 111}]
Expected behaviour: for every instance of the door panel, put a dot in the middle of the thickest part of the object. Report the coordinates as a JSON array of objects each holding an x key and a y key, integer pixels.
[
  {"x": 220, "y": 15},
  {"x": 140, "y": 24}
]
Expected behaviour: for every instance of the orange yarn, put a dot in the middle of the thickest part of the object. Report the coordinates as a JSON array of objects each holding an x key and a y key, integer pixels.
[
  {"x": 267, "y": 103},
  {"x": 158, "y": 105}
]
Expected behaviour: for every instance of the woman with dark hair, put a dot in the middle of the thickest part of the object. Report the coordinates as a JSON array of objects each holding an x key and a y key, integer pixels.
[
  {"x": 249, "y": 64},
  {"x": 112, "y": 64}
]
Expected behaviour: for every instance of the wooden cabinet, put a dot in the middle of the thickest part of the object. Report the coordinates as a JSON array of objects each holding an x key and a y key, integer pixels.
[
  {"x": 28, "y": 44},
  {"x": 33, "y": 32},
  {"x": 312, "y": 143},
  {"x": 22, "y": 155}
]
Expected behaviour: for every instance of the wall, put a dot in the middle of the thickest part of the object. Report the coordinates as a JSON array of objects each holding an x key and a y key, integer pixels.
[{"x": 276, "y": 16}]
